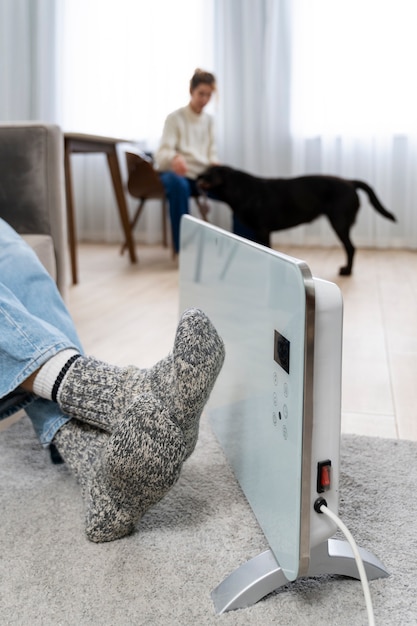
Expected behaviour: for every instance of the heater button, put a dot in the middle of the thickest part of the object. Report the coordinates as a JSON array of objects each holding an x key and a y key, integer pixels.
[{"x": 324, "y": 469}]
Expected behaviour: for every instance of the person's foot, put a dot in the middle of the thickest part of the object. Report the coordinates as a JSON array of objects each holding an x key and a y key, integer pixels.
[
  {"x": 124, "y": 473},
  {"x": 185, "y": 379},
  {"x": 100, "y": 394},
  {"x": 138, "y": 466}
]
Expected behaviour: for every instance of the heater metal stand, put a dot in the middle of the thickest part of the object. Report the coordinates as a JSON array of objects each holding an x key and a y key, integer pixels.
[{"x": 260, "y": 576}]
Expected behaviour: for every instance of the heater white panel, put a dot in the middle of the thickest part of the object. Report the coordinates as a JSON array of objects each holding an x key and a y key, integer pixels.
[{"x": 276, "y": 405}]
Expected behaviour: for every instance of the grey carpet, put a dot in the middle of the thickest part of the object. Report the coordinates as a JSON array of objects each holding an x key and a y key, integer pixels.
[{"x": 184, "y": 547}]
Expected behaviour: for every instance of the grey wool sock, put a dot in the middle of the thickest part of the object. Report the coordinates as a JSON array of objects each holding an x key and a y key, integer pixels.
[
  {"x": 123, "y": 474},
  {"x": 81, "y": 446},
  {"x": 99, "y": 393},
  {"x": 186, "y": 378},
  {"x": 141, "y": 462}
]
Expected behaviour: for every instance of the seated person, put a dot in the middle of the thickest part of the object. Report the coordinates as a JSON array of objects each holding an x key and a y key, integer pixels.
[
  {"x": 124, "y": 432},
  {"x": 187, "y": 148}
]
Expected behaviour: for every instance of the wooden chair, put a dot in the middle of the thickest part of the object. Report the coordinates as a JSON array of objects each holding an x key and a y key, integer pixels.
[{"x": 143, "y": 183}]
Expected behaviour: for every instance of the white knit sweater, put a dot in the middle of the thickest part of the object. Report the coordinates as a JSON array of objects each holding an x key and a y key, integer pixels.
[{"x": 191, "y": 135}]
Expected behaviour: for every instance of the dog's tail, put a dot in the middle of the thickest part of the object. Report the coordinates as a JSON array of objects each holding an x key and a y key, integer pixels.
[{"x": 358, "y": 184}]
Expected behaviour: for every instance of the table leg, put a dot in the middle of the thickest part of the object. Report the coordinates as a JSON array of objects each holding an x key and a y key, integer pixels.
[
  {"x": 121, "y": 202},
  {"x": 70, "y": 217}
]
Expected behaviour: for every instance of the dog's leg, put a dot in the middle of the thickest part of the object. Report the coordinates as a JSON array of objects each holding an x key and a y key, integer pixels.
[
  {"x": 346, "y": 270},
  {"x": 263, "y": 237},
  {"x": 343, "y": 234}
]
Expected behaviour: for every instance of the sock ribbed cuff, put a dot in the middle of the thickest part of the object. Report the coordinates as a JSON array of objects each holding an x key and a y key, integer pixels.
[
  {"x": 50, "y": 375},
  {"x": 61, "y": 375}
]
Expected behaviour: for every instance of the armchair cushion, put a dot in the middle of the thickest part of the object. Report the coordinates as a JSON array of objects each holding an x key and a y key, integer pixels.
[{"x": 44, "y": 248}]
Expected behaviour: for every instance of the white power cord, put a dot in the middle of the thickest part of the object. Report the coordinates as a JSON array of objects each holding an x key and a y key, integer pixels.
[{"x": 321, "y": 506}]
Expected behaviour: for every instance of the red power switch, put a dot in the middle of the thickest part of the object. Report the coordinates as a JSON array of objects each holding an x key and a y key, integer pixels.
[{"x": 324, "y": 469}]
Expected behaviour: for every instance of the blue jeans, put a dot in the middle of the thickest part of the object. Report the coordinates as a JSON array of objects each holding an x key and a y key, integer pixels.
[
  {"x": 34, "y": 326},
  {"x": 178, "y": 191}
]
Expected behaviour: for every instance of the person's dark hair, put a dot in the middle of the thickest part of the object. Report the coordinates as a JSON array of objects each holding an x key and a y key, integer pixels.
[{"x": 202, "y": 77}]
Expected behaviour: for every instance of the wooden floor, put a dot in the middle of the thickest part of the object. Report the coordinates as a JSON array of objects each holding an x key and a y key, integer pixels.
[{"x": 128, "y": 314}]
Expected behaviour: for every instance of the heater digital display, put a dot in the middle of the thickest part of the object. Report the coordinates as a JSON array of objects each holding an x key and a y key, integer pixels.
[{"x": 282, "y": 351}]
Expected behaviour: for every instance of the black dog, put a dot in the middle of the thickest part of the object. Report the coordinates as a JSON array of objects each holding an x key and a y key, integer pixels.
[{"x": 265, "y": 205}]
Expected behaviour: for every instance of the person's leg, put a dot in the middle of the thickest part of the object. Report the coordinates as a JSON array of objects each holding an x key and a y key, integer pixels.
[
  {"x": 27, "y": 341},
  {"x": 152, "y": 418},
  {"x": 152, "y": 415},
  {"x": 100, "y": 393},
  {"x": 25, "y": 276},
  {"x": 177, "y": 190},
  {"x": 96, "y": 392},
  {"x": 34, "y": 326}
]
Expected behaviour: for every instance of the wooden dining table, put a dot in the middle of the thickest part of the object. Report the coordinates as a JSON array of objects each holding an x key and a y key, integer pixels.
[{"x": 79, "y": 143}]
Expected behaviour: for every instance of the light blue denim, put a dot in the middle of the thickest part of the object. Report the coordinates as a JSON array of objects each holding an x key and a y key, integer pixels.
[{"x": 34, "y": 326}]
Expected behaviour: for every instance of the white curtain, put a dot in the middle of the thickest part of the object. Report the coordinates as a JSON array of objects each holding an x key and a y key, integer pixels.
[
  {"x": 324, "y": 87},
  {"x": 304, "y": 87},
  {"x": 252, "y": 64},
  {"x": 28, "y": 61}
]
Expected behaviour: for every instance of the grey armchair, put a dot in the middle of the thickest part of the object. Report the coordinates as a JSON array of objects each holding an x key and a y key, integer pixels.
[{"x": 32, "y": 191}]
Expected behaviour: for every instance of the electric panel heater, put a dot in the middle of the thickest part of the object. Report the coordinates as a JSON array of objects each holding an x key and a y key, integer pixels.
[{"x": 276, "y": 406}]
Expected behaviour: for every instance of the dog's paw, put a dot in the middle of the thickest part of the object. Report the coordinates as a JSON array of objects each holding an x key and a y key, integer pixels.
[{"x": 345, "y": 271}]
